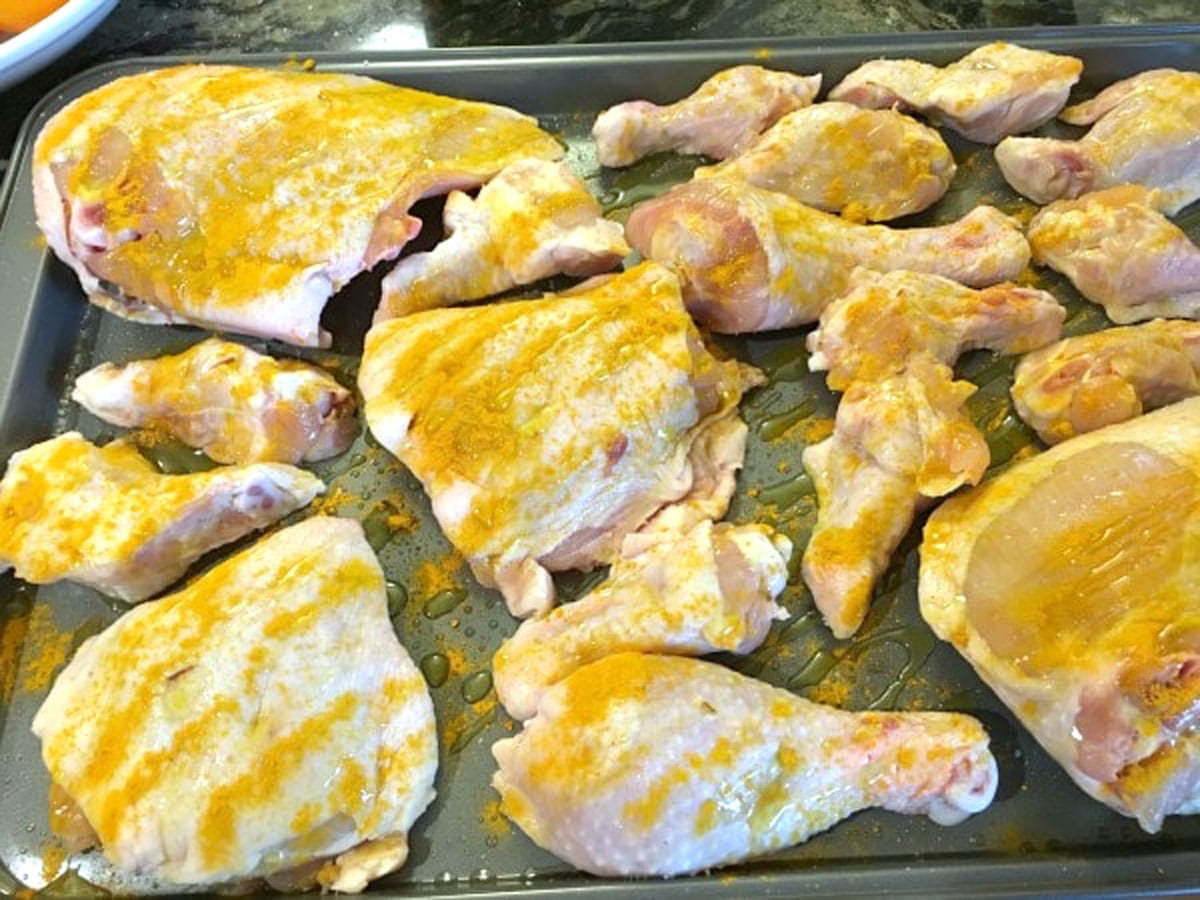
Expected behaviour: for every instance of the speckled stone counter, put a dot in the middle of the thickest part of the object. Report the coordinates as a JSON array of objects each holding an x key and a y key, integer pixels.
[{"x": 142, "y": 27}]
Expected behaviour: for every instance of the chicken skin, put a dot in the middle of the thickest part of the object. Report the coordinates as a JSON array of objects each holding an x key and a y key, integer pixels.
[
  {"x": 1069, "y": 584},
  {"x": 868, "y": 165},
  {"x": 1120, "y": 252},
  {"x": 262, "y": 720},
  {"x": 236, "y": 405},
  {"x": 1093, "y": 380},
  {"x": 708, "y": 590},
  {"x": 1146, "y": 131},
  {"x": 105, "y": 517},
  {"x": 720, "y": 119},
  {"x": 887, "y": 319},
  {"x": 995, "y": 90},
  {"x": 188, "y": 194},
  {"x": 897, "y": 443},
  {"x": 533, "y": 220},
  {"x": 755, "y": 260},
  {"x": 662, "y": 765},
  {"x": 545, "y": 431}
]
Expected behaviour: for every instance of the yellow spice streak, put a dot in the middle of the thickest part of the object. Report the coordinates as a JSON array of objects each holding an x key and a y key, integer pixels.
[
  {"x": 109, "y": 811},
  {"x": 265, "y": 781},
  {"x": 646, "y": 811},
  {"x": 351, "y": 580},
  {"x": 706, "y": 818},
  {"x": 53, "y": 857},
  {"x": 47, "y": 649},
  {"x": 12, "y": 639}
]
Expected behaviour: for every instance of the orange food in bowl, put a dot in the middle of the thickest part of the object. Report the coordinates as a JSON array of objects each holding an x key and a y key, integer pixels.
[{"x": 17, "y": 15}]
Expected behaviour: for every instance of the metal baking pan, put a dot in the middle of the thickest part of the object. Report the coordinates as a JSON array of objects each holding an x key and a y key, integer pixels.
[{"x": 1041, "y": 835}]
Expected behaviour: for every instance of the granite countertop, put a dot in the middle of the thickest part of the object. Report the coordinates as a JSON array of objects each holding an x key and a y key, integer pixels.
[{"x": 145, "y": 27}]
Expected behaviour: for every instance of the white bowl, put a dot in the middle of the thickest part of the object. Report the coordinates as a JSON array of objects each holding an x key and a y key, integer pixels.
[{"x": 44, "y": 42}]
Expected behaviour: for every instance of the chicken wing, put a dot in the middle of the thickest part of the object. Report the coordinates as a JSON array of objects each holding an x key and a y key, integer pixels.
[
  {"x": 533, "y": 220},
  {"x": 545, "y": 431},
  {"x": 755, "y": 260},
  {"x": 995, "y": 90},
  {"x": 187, "y": 194},
  {"x": 1086, "y": 382},
  {"x": 1120, "y": 252},
  {"x": 721, "y": 118},
  {"x": 896, "y": 444},
  {"x": 1147, "y": 132},
  {"x": 264, "y": 718},
  {"x": 886, "y": 320},
  {"x": 708, "y": 590},
  {"x": 661, "y": 765},
  {"x": 868, "y": 165},
  {"x": 236, "y": 405},
  {"x": 105, "y": 517},
  {"x": 1069, "y": 583}
]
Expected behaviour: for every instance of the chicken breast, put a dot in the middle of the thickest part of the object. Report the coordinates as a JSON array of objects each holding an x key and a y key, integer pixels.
[
  {"x": 897, "y": 444},
  {"x": 887, "y": 319},
  {"x": 545, "y": 431},
  {"x": 1146, "y": 131},
  {"x": 868, "y": 165},
  {"x": 661, "y": 766},
  {"x": 261, "y": 719},
  {"x": 533, "y": 220},
  {"x": 1121, "y": 252},
  {"x": 1069, "y": 583},
  {"x": 755, "y": 260},
  {"x": 995, "y": 90},
  {"x": 708, "y": 590},
  {"x": 236, "y": 405},
  {"x": 105, "y": 517},
  {"x": 189, "y": 194},
  {"x": 1083, "y": 383},
  {"x": 720, "y": 119}
]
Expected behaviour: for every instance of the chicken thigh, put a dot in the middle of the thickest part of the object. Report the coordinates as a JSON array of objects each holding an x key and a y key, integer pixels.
[
  {"x": 866, "y": 164},
  {"x": 264, "y": 718},
  {"x": 897, "y": 443},
  {"x": 1086, "y": 382},
  {"x": 995, "y": 90},
  {"x": 755, "y": 260},
  {"x": 533, "y": 220},
  {"x": 1147, "y": 132},
  {"x": 661, "y": 765},
  {"x": 1069, "y": 582},
  {"x": 720, "y": 119},
  {"x": 236, "y": 405},
  {"x": 545, "y": 431},
  {"x": 887, "y": 319},
  {"x": 105, "y": 517},
  {"x": 708, "y": 590},
  {"x": 188, "y": 194},
  {"x": 1120, "y": 252}
]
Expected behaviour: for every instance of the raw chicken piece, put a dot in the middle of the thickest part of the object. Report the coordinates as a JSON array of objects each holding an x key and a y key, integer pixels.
[
  {"x": 708, "y": 590},
  {"x": 240, "y": 199},
  {"x": 545, "y": 431},
  {"x": 870, "y": 165},
  {"x": 754, "y": 260},
  {"x": 1147, "y": 132},
  {"x": 721, "y": 118},
  {"x": 1086, "y": 382},
  {"x": 897, "y": 444},
  {"x": 236, "y": 405},
  {"x": 995, "y": 90},
  {"x": 1120, "y": 252},
  {"x": 1070, "y": 583},
  {"x": 105, "y": 517},
  {"x": 533, "y": 220},
  {"x": 261, "y": 719},
  {"x": 886, "y": 320},
  {"x": 661, "y": 765}
]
